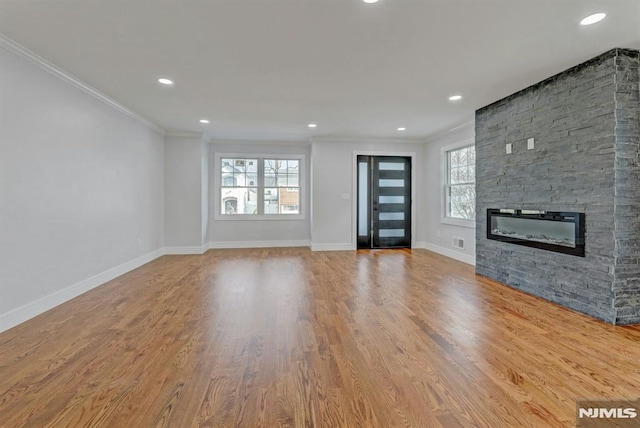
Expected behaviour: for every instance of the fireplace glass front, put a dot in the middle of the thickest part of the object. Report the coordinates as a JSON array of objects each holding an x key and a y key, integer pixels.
[{"x": 549, "y": 230}]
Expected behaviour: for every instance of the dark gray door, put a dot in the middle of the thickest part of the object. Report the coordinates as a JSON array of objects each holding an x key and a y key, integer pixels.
[{"x": 384, "y": 202}]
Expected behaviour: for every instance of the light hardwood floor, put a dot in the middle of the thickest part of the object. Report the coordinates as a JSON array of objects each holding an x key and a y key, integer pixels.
[{"x": 287, "y": 337}]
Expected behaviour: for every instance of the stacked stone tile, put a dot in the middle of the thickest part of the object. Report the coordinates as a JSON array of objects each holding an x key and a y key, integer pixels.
[{"x": 586, "y": 125}]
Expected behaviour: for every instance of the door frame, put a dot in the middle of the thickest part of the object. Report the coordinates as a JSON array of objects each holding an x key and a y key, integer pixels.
[{"x": 354, "y": 192}]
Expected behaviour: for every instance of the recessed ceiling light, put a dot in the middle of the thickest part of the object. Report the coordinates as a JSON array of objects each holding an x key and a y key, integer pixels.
[
  {"x": 592, "y": 19},
  {"x": 204, "y": 120},
  {"x": 370, "y": 1},
  {"x": 312, "y": 125},
  {"x": 165, "y": 81},
  {"x": 455, "y": 97},
  {"x": 402, "y": 128}
]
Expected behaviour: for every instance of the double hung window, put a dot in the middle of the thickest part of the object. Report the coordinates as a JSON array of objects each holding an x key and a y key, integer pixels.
[
  {"x": 259, "y": 186},
  {"x": 460, "y": 187}
]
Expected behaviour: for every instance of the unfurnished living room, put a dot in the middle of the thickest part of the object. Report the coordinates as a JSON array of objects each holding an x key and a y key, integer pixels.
[{"x": 319, "y": 213}]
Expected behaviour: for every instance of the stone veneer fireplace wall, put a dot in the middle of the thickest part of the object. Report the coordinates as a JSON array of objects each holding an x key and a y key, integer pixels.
[{"x": 586, "y": 125}]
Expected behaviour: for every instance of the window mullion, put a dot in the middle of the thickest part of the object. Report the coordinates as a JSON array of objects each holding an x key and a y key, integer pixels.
[
  {"x": 260, "y": 186},
  {"x": 289, "y": 205}
]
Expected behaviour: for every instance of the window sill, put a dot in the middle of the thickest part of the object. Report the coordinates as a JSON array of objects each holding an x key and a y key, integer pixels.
[
  {"x": 471, "y": 224},
  {"x": 252, "y": 217}
]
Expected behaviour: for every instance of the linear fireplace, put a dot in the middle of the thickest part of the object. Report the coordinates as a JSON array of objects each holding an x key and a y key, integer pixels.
[{"x": 562, "y": 232}]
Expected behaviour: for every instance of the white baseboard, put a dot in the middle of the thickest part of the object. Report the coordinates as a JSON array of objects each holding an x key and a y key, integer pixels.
[
  {"x": 43, "y": 304},
  {"x": 257, "y": 244},
  {"x": 465, "y": 258},
  {"x": 186, "y": 250},
  {"x": 332, "y": 247}
]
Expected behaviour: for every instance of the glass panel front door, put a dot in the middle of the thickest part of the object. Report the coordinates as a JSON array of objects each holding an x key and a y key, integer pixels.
[{"x": 384, "y": 202}]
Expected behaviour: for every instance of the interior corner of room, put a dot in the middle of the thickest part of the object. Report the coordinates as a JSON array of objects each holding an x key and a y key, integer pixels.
[
  {"x": 428, "y": 197},
  {"x": 102, "y": 191}
]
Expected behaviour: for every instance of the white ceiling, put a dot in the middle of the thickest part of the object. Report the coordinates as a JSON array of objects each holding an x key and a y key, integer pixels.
[{"x": 263, "y": 69}]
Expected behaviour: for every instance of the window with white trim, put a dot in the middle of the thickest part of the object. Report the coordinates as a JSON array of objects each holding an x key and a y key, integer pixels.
[
  {"x": 259, "y": 186},
  {"x": 460, "y": 187}
]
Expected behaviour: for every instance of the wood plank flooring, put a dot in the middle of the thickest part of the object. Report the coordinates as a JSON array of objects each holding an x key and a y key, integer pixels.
[{"x": 291, "y": 338}]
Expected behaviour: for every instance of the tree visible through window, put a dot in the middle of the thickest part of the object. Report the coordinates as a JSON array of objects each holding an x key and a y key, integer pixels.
[
  {"x": 281, "y": 191},
  {"x": 460, "y": 189},
  {"x": 259, "y": 186}
]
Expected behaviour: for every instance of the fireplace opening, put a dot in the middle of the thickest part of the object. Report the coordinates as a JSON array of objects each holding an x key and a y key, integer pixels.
[{"x": 562, "y": 232}]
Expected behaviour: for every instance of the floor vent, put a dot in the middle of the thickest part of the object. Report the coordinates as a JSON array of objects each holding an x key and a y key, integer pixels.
[{"x": 458, "y": 243}]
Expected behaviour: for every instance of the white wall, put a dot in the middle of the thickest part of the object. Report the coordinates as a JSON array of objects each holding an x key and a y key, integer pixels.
[
  {"x": 332, "y": 189},
  {"x": 81, "y": 189},
  {"x": 240, "y": 233},
  {"x": 204, "y": 196},
  {"x": 186, "y": 173},
  {"x": 439, "y": 236}
]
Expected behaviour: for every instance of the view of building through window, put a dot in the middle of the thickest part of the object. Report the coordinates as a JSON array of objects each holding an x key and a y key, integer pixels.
[
  {"x": 460, "y": 186},
  {"x": 260, "y": 186},
  {"x": 281, "y": 191},
  {"x": 239, "y": 186}
]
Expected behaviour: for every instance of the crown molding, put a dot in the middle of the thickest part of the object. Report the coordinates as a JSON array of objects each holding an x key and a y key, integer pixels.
[
  {"x": 202, "y": 136},
  {"x": 367, "y": 140},
  {"x": 19, "y": 50},
  {"x": 260, "y": 142},
  {"x": 456, "y": 128},
  {"x": 184, "y": 134}
]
